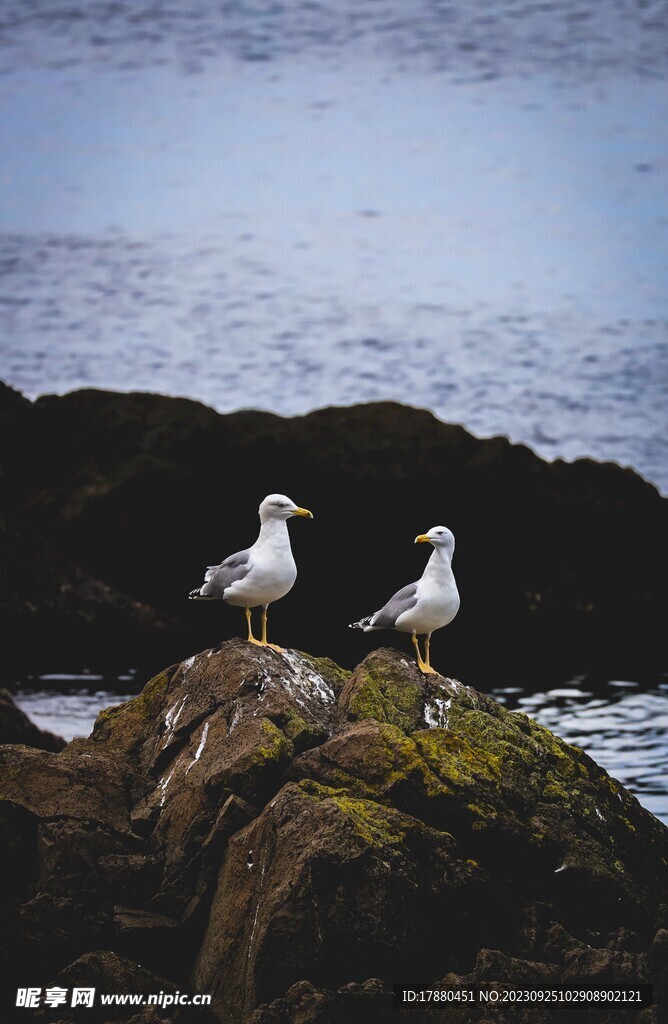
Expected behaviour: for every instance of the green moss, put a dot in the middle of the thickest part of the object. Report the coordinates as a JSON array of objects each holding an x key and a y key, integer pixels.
[
  {"x": 378, "y": 826},
  {"x": 107, "y": 713},
  {"x": 457, "y": 761},
  {"x": 488, "y": 745},
  {"x": 127, "y": 723},
  {"x": 295, "y": 726},
  {"x": 145, "y": 702},
  {"x": 278, "y": 747},
  {"x": 317, "y": 791},
  {"x": 555, "y": 791},
  {"x": 394, "y": 757},
  {"x": 301, "y": 733},
  {"x": 377, "y": 695},
  {"x": 547, "y": 743},
  {"x": 391, "y": 760},
  {"x": 482, "y": 812}
]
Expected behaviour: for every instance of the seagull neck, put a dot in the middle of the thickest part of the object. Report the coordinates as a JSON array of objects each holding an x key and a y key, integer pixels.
[
  {"x": 274, "y": 532},
  {"x": 439, "y": 564}
]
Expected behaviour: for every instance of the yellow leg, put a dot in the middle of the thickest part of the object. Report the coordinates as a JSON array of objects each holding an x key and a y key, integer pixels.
[
  {"x": 251, "y": 638},
  {"x": 422, "y": 665},
  {"x": 418, "y": 654},
  {"x": 427, "y": 659},
  {"x": 265, "y": 642}
]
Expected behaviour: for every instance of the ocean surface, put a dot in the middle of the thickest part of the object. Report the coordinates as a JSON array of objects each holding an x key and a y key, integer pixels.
[
  {"x": 623, "y": 727},
  {"x": 283, "y": 205}
]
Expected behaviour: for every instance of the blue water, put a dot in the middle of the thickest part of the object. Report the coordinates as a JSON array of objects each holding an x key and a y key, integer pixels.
[{"x": 291, "y": 205}]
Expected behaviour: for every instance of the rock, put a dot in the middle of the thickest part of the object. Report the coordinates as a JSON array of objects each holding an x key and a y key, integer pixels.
[
  {"x": 355, "y": 1003},
  {"x": 606, "y": 968},
  {"x": 534, "y": 539},
  {"x": 384, "y": 688},
  {"x": 76, "y": 786},
  {"x": 322, "y": 882},
  {"x": 16, "y": 727},
  {"x": 494, "y": 966},
  {"x": 293, "y": 840},
  {"x": 50, "y": 606},
  {"x": 111, "y": 974}
]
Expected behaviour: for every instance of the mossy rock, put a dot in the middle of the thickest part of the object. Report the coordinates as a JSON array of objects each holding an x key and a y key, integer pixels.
[
  {"x": 385, "y": 687},
  {"x": 332, "y": 673},
  {"x": 365, "y": 824},
  {"x": 124, "y": 727}
]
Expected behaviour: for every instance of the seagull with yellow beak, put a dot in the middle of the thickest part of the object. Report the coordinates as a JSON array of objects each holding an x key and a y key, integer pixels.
[
  {"x": 262, "y": 573},
  {"x": 422, "y": 607}
]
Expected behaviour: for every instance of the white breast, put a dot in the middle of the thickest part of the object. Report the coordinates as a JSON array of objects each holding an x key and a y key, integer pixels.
[
  {"x": 436, "y": 606},
  {"x": 272, "y": 570},
  {"x": 268, "y": 581}
]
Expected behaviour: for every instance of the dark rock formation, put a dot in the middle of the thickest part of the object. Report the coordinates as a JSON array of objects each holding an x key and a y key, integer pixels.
[
  {"x": 293, "y": 839},
  {"x": 16, "y": 727},
  {"x": 114, "y": 503},
  {"x": 110, "y": 973}
]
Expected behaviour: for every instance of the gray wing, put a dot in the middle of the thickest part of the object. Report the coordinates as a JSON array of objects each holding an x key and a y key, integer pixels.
[
  {"x": 403, "y": 601},
  {"x": 219, "y": 577}
]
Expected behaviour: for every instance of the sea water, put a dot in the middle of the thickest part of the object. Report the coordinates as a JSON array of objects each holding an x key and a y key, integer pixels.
[{"x": 462, "y": 206}]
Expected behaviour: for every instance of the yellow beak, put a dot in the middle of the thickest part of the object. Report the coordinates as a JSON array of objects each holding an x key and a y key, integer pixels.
[
  {"x": 303, "y": 512},
  {"x": 422, "y": 538}
]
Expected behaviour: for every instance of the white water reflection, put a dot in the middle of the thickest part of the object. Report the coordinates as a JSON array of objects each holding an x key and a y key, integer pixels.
[{"x": 67, "y": 704}]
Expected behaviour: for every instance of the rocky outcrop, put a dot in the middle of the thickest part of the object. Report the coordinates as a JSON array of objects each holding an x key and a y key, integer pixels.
[
  {"x": 16, "y": 727},
  {"x": 293, "y": 839},
  {"x": 114, "y": 503}
]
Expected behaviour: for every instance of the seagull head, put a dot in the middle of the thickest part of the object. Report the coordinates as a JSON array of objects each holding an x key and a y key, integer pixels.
[
  {"x": 279, "y": 506},
  {"x": 439, "y": 537}
]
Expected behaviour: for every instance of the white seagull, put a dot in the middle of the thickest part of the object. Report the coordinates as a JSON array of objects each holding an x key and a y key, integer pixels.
[
  {"x": 262, "y": 573},
  {"x": 429, "y": 604}
]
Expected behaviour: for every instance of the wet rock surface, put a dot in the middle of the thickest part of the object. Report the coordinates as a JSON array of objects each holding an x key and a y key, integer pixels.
[
  {"x": 293, "y": 839},
  {"x": 16, "y": 727},
  {"x": 114, "y": 503}
]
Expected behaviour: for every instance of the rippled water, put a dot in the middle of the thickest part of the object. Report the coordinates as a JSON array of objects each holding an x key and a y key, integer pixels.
[
  {"x": 475, "y": 38},
  {"x": 463, "y": 207},
  {"x": 68, "y": 704},
  {"x": 623, "y": 727}
]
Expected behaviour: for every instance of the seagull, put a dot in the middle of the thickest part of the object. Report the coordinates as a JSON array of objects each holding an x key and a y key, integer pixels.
[
  {"x": 429, "y": 604},
  {"x": 262, "y": 573}
]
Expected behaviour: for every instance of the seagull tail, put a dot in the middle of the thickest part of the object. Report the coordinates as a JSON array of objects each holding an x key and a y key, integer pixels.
[
  {"x": 364, "y": 624},
  {"x": 196, "y": 595}
]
